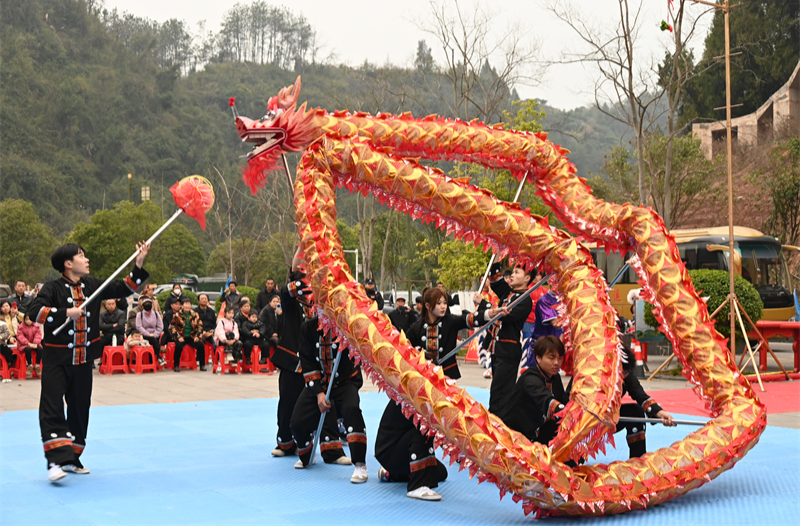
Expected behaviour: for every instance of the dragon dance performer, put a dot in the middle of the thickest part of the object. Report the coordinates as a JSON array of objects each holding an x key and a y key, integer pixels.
[
  {"x": 317, "y": 355},
  {"x": 405, "y": 454},
  {"x": 297, "y": 307},
  {"x": 68, "y": 356},
  {"x": 503, "y": 339}
]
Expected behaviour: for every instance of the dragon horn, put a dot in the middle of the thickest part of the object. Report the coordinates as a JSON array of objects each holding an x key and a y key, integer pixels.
[{"x": 287, "y": 97}]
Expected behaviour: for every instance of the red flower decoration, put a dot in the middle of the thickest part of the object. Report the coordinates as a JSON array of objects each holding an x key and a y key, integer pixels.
[
  {"x": 231, "y": 101},
  {"x": 195, "y": 196}
]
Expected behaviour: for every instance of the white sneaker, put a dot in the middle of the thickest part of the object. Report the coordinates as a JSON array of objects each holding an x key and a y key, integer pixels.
[
  {"x": 71, "y": 468},
  {"x": 299, "y": 465},
  {"x": 360, "y": 474},
  {"x": 424, "y": 493},
  {"x": 342, "y": 461},
  {"x": 55, "y": 473},
  {"x": 487, "y": 373}
]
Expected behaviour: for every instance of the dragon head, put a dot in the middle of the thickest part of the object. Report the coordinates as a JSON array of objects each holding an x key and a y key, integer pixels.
[{"x": 283, "y": 129}]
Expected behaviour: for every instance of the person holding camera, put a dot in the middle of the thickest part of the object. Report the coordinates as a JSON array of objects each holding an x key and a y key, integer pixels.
[{"x": 402, "y": 317}]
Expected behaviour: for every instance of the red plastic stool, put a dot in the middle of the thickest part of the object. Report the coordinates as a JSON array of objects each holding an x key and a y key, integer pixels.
[
  {"x": 209, "y": 352},
  {"x": 256, "y": 366},
  {"x": 20, "y": 369},
  {"x": 5, "y": 373},
  {"x": 188, "y": 357},
  {"x": 223, "y": 367},
  {"x": 169, "y": 355},
  {"x": 108, "y": 365},
  {"x": 139, "y": 352}
]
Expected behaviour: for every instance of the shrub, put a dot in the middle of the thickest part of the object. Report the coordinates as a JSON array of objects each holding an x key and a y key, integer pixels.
[{"x": 715, "y": 284}]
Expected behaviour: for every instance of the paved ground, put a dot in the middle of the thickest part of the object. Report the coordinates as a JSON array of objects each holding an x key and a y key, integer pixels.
[{"x": 194, "y": 386}]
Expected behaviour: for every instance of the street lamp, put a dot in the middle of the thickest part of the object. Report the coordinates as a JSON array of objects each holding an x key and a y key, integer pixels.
[{"x": 130, "y": 188}]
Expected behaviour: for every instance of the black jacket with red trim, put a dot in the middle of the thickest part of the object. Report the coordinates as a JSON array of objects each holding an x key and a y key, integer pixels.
[
  {"x": 71, "y": 345},
  {"x": 286, "y": 355},
  {"x": 438, "y": 339},
  {"x": 633, "y": 387},
  {"x": 318, "y": 354},
  {"x": 536, "y": 400},
  {"x": 504, "y": 337}
]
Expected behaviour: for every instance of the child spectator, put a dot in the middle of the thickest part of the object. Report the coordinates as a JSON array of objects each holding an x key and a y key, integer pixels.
[
  {"x": 29, "y": 337},
  {"x": 227, "y": 334},
  {"x": 253, "y": 333},
  {"x": 135, "y": 339}
]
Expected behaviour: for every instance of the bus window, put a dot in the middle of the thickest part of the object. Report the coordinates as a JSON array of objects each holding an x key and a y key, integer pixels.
[
  {"x": 710, "y": 260},
  {"x": 689, "y": 257},
  {"x": 763, "y": 264}
]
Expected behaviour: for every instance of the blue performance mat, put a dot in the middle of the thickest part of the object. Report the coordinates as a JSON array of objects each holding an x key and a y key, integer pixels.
[{"x": 209, "y": 463}]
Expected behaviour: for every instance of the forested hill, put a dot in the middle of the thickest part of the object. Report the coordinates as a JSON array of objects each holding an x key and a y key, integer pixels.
[{"x": 89, "y": 96}]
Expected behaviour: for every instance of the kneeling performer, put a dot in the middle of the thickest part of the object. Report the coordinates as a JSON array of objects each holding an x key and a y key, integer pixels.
[
  {"x": 405, "y": 454},
  {"x": 317, "y": 356}
]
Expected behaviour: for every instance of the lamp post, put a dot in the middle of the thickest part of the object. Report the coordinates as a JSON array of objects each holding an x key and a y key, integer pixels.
[{"x": 130, "y": 188}]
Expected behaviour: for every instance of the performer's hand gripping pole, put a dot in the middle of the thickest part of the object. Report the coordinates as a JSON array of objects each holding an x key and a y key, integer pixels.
[
  {"x": 194, "y": 196},
  {"x": 494, "y": 256},
  {"x": 491, "y": 322},
  {"x": 327, "y": 401}
]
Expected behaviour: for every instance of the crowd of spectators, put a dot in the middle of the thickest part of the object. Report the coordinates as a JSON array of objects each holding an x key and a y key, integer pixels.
[{"x": 239, "y": 326}]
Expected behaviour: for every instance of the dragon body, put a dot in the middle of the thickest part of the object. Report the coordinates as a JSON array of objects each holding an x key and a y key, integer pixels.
[{"x": 378, "y": 154}]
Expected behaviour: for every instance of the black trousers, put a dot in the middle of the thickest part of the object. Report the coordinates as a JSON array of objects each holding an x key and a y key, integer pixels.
[
  {"x": 345, "y": 403},
  {"x": 65, "y": 438},
  {"x": 248, "y": 348},
  {"x": 29, "y": 354},
  {"x": 405, "y": 452},
  {"x": 290, "y": 385},
  {"x": 637, "y": 445},
  {"x": 197, "y": 346},
  {"x": 9, "y": 355},
  {"x": 156, "y": 344},
  {"x": 504, "y": 376}
]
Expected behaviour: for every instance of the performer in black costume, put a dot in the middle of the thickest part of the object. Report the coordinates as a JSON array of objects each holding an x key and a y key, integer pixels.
[
  {"x": 405, "y": 454},
  {"x": 297, "y": 307},
  {"x": 539, "y": 394},
  {"x": 67, "y": 370},
  {"x": 503, "y": 339},
  {"x": 317, "y": 355}
]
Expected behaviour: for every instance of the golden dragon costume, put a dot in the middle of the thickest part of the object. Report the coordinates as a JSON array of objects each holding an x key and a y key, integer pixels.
[{"x": 378, "y": 154}]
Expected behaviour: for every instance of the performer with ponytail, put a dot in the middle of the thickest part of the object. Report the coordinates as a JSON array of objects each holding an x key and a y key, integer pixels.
[{"x": 405, "y": 454}]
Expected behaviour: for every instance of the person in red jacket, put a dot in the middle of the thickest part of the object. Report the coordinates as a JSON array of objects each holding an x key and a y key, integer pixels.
[{"x": 29, "y": 337}]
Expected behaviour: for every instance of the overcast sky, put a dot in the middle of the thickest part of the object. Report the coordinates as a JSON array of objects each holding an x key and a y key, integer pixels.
[{"x": 381, "y": 31}]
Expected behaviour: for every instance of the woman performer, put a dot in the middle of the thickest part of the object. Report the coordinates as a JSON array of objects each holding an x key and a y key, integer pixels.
[{"x": 405, "y": 454}]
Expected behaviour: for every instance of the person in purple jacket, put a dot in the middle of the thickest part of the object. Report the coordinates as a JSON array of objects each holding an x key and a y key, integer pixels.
[{"x": 150, "y": 326}]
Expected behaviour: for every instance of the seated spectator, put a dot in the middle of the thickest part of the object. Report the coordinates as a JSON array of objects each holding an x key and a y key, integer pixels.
[
  {"x": 29, "y": 337},
  {"x": 5, "y": 341},
  {"x": 112, "y": 325},
  {"x": 373, "y": 293},
  {"x": 22, "y": 300},
  {"x": 231, "y": 297},
  {"x": 174, "y": 308},
  {"x": 266, "y": 294},
  {"x": 10, "y": 315},
  {"x": 402, "y": 317},
  {"x": 151, "y": 327},
  {"x": 150, "y": 292},
  {"x": 253, "y": 331},
  {"x": 185, "y": 329},
  {"x": 271, "y": 318},
  {"x": 130, "y": 323},
  {"x": 207, "y": 317},
  {"x": 227, "y": 334},
  {"x": 134, "y": 340},
  {"x": 176, "y": 296},
  {"x": 245, "y": 308}
]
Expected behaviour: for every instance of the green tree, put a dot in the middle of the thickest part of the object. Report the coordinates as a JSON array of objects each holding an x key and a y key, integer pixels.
[
  {"x": 267, "y": 262},
  {"x": 461, "y": 266},
  {"x": 780, "y": 184},
  {"x": 766, "y": 33},
  {"x": 110, "y": 238},
  {"x": 25, "y": 242}
]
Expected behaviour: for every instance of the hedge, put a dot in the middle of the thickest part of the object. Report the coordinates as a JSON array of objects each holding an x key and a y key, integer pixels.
[{"x": 716, "y": 285}]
